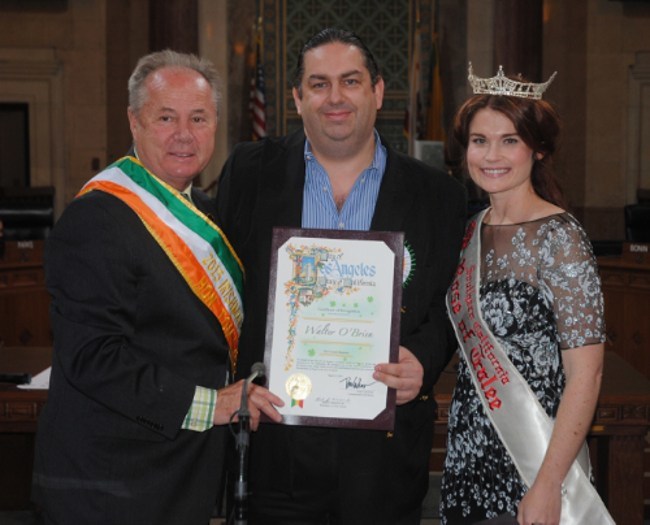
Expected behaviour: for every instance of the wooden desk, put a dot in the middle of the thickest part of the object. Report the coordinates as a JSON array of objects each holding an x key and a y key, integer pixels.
[
  {"x": 616, "y": 440},
  {"x": 626, "y": 287},
  {"x": 19, "y": 410},
  {"x": 24, "y": 301}
]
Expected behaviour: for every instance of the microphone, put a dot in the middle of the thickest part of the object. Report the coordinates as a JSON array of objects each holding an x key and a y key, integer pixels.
[{"x": 257, "y": 370}]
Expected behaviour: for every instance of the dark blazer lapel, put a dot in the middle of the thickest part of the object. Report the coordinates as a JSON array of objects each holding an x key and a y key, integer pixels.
[
  {"x": 204, "y": 203},
  {"x": 284, "y": 201},
  {"x": 395, "y": 197}
]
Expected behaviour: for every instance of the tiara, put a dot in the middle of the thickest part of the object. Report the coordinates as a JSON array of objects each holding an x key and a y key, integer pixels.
[{"x": 502, "y": 85}]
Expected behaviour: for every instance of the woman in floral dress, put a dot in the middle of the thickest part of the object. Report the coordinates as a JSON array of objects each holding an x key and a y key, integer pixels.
[{"x": 529, "y": 377}]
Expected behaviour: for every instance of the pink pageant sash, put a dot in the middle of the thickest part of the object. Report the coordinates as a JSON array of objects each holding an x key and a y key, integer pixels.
[{"x": 520, "y": 421}]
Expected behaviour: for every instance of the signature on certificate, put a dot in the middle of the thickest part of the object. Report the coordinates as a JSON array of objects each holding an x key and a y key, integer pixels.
[{"x": 355, "y": 383}]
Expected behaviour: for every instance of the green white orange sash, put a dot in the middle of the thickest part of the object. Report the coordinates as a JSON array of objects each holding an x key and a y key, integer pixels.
[
  {"x": 195, "y": 245},
  {"x": 517, "y": 416}
]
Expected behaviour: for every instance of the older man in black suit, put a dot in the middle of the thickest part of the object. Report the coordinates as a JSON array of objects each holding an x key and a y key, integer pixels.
[{"x": 146, "y": 312}]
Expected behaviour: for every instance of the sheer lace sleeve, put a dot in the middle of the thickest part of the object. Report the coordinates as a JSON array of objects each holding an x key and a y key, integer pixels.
[{"x": 569, "y": 275}]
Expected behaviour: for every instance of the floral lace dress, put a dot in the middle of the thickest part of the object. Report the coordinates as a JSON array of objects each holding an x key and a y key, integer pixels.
[{"x": 539, "y": 294}]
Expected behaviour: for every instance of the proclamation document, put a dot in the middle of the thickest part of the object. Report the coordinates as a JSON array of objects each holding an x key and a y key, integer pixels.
[{"x": 333, "y": 314}]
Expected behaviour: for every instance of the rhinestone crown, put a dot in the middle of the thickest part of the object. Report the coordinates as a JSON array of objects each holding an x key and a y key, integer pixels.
[{"x": 502, "y": 85}]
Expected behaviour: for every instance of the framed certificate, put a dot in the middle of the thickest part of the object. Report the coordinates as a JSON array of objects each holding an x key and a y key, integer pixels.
[{"x": 333, "y": 314}]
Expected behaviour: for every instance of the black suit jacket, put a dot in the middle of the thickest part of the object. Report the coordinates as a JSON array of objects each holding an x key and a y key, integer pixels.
[
  {"x": 261, "y": 187},
  {"x": 131, "y": 342}
]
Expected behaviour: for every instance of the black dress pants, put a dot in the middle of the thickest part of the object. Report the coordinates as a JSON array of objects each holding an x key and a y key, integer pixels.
[{"x": 316, "y": 476}]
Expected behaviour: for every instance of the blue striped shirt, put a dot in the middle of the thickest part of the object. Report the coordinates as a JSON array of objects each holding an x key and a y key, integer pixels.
[{"x": 319, "y": 209}]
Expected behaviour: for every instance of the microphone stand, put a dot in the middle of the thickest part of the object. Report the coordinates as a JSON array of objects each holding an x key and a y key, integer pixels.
[{"x": 242, "y": 442}]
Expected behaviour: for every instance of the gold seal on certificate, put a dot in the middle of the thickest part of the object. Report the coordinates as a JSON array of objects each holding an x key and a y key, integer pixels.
[
  {"x": 333, "y": 315},
  {"x": 298, "y": 387}
]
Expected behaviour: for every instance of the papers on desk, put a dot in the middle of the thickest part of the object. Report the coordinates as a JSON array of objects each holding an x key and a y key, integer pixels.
[{"x": 40, "y": 381}]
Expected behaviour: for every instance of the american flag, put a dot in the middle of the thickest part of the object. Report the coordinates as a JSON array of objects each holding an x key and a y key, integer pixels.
[{"x": 257, "y": 102}]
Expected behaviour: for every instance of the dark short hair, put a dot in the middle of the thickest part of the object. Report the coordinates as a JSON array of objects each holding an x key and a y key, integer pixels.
[
  {"x": 535, "y": 121},
  {"x": 332, "y": 35}
]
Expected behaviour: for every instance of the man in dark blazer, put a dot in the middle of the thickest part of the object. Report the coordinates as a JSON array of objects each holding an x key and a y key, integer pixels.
[
  {"x": 133, "y": 431},
  {"x": 325, "y": 177}
]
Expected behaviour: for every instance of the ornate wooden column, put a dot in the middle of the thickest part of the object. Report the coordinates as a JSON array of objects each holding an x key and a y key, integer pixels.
[
  {"x": 174, "y": 24},
  {"x": 518, "y": 37}
]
